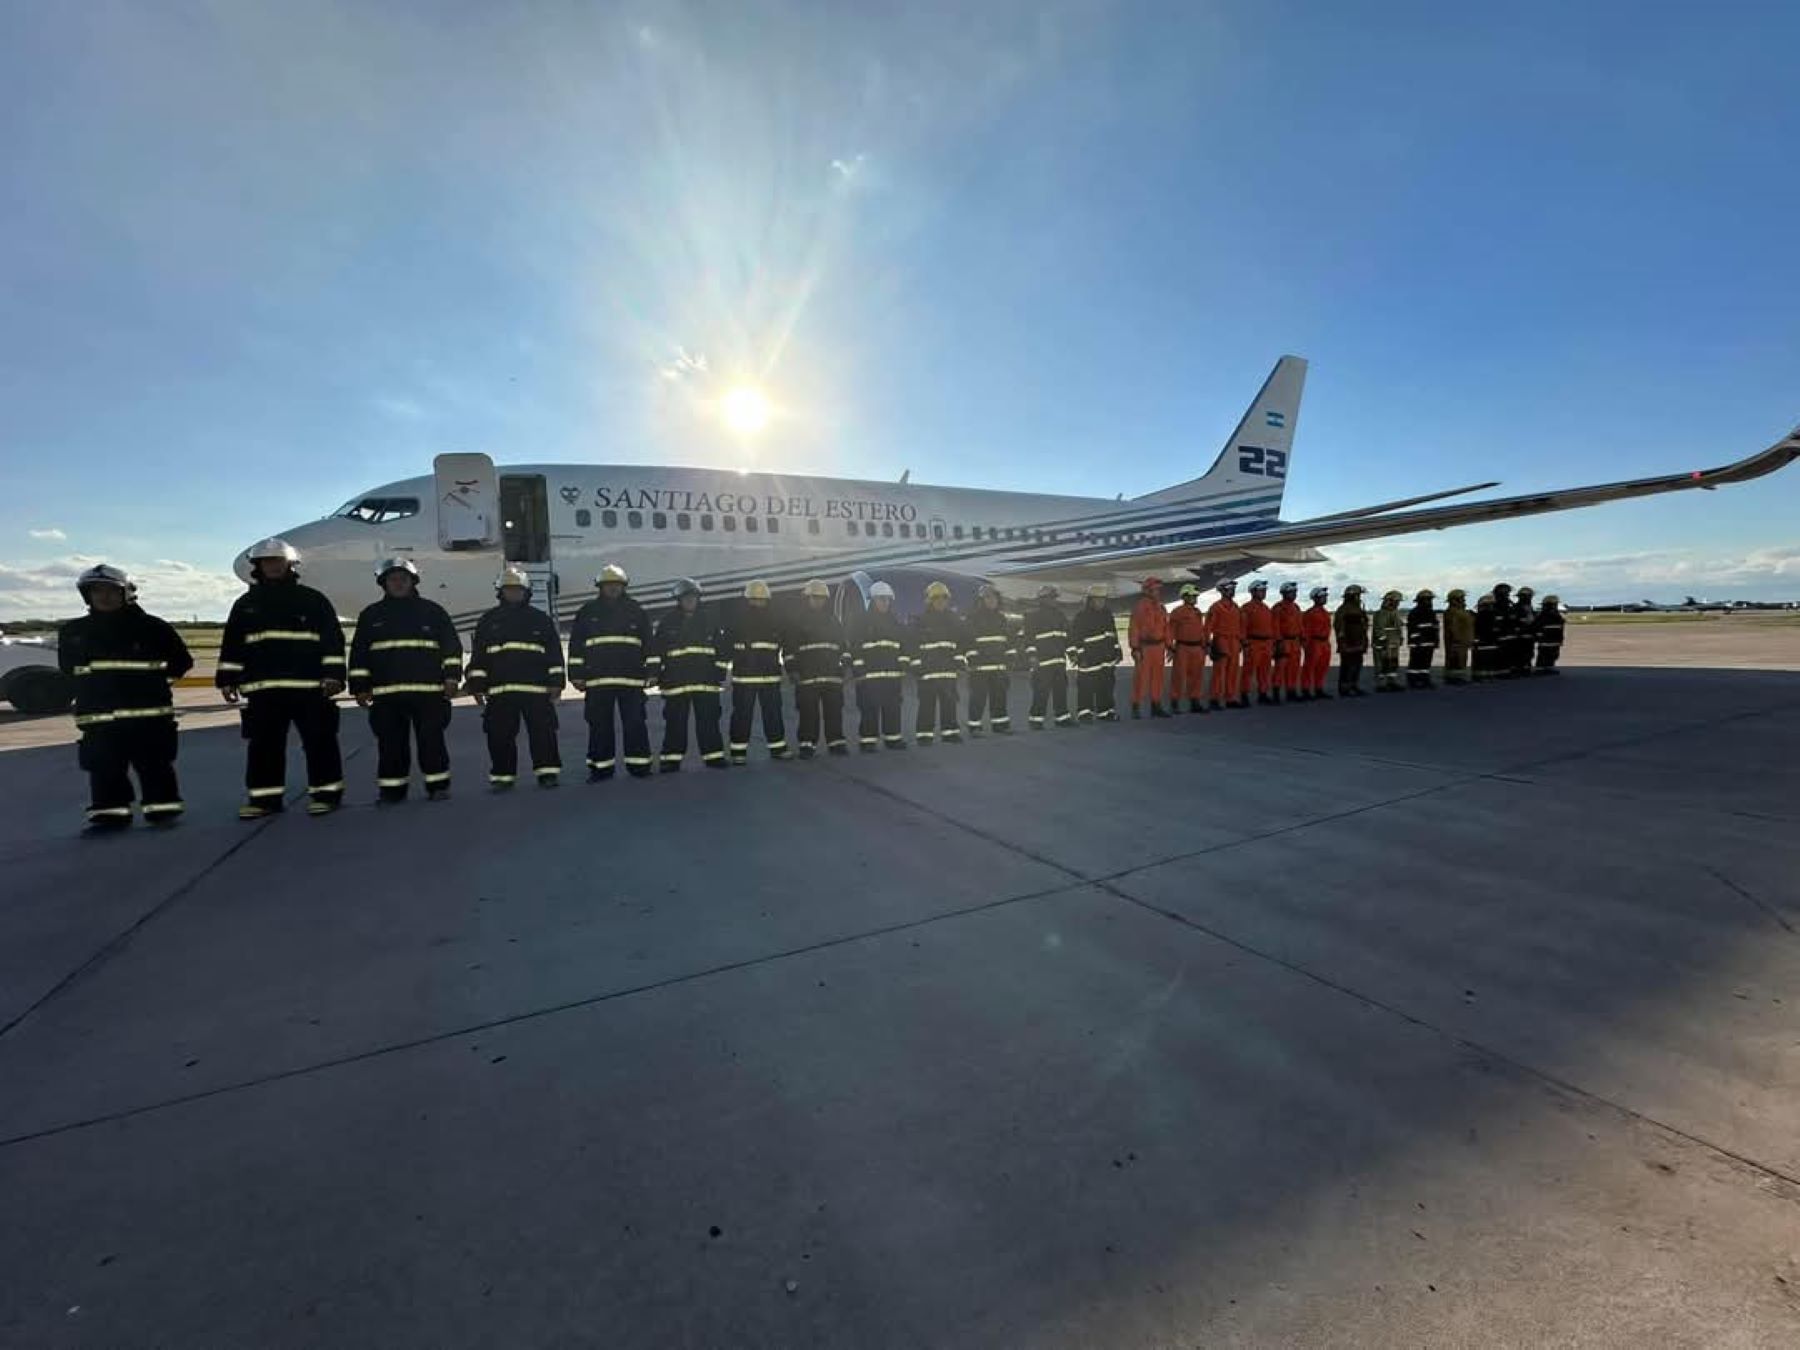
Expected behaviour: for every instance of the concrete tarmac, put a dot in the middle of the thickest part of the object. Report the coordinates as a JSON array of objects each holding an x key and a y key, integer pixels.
[{"x": 1462, "y": 1018}]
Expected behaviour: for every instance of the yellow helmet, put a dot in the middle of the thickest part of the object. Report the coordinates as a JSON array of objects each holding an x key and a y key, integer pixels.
[
  {"x": 1189, "y": 591},
  {"x": 817, "y": 589},
  {"x": 1391, "y": 595},
  {"x": 757, "y": 590},
  {"x": 937, "y": 590},
  {"x": 612, "y": 572},
  {"x": 1099, "y": 591},
  {"x": 1458, "y": 594}
]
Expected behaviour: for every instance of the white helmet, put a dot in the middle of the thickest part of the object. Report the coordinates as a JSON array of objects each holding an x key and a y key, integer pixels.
[
  {"x": 1320, "y": 593},
  {"x": 406, "y": 565},
  {"x": 1227, "y": 587},
  {"x": 756, "y": 589},
  {"x": 1259, "y": 587},
  {"x": 612, "y": 572},
  {"x": 816, "y": 590},
  {"x": 272, "y": 547},
  {"x": 881, "y": 591},
  {"x": 1099, "y": 591},
  {"x": 513, "y": 576},
  {"x": 105, "y": 574},
  {"x": 1047, "y": 592}
]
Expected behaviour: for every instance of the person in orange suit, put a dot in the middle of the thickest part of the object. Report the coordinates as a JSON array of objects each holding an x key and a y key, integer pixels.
[
  {"x": 1315, "y": 628},
  {"x": 1187, "y": 631},
  {"x": 1225, "y": 644},
  {"x": 1288, "y": 638},
  {"x": 1148, "y": 638},
  {"x": 1259, "y": 645}
]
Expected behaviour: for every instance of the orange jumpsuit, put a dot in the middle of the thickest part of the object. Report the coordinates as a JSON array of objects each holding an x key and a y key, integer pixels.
[
  {"x": 1287, "y": 645},
  {"x": 1259, "y": 648},
  {"x": 1187, "y": 629},
  {"x": 1225, "y": 636},
  {"x": 1315, "y": 624},
  {"x": 1148, "y": 638}
]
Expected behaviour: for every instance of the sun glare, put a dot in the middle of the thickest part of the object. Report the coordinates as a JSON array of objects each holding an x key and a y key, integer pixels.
[{"x": 745, "y": 410}]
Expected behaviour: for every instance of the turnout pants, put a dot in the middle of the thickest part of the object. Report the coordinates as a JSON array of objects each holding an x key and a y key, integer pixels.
[
  {"x": 1547, "y": 652},
  {"x": 112, "y": 751},
  {"x": 704, "y": 708},
  {"x": 399, "y": 719},
  {"x": 1418, "y": 666},
  {"x": 1094, "y": 694},
  {"x": 1287, "y": 666},
  {"x": 1315, "y": 664},
  {"x": 937, "y": 709},
  {"x": 1522, "y": 654},
  {"x": 1147, "y": 675},
  {"x": 987, "y": 695},
  {"x": 1259, "y": 667},
  {"x": 1049, "y": 686},
  {"x": 1456, "y": 663},
  {"x": 1226, "y": 672},
  {"x": 878, "y": 712},
  {"x": 821, "y": 703},
  {"x": 745, "y": 700},
  {"x": 1190, "y": 673},
  {"x": 1350, "y": 666},
  {"x": 1387, "y": 668},
  {"x": 500, "y": 720},
  {"x": 266, "y": 718},
  {"x": 627, "y": 703}
]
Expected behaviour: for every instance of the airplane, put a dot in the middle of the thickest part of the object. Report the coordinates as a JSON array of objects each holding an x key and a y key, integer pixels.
[{"x": 721, "y": 528}]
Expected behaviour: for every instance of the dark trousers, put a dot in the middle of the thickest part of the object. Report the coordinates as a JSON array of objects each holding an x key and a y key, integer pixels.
[
  {"x": 987, "y": 694},
  {"x": 1418, "y": 666},
  {"x": 112, "y": 751},
  {"x": 937, "y": 710},
  {"x": 878, "y": 712},
  {"x": 1049, "y": 686},
  {"x": 266, "y": 718},
  {"x": 821, "y": 702},
  {"x": 1522, "y": 654},
  {"x": 745, "y": 700},
  {"x": 397, "y": 721},
  {"x": 705, "y": 710},
  {"x": 628, "y": 704},
  {"x": 1547, "y": 654},
  {"x": 1094, "y": 693},
  {"x": 1350, "y": 666},
  {"x": 500, "y": 720}
]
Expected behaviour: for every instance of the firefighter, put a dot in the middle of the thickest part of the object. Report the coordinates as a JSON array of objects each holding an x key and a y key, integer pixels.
[
  {"x": 1288, "y": 640},
  {"x": 282, "y": 653},
  {"x": 1387, "y": 631},
  {"x": 1506, "y": 634},
  {"x": 1487, "y": 638},
  {"x": 1047, "y": 654},
  {"x": 880, "y": 665},
  {"x": 691, "y": 677},
  {"x": 1094, "y": 640},
  {"x": 406, "y": 664},
  {"x": 937, "y": 647},
  {"x": 1524, "y": 632},
  {"x": 1350, "y": 626},
  {"x": 123, "y": 662},
  {"x": 817, "y": 657},
  {"x": 1148, "y": 638},
  {"x": 1315, "y": 630},
  {"x": 1459, "y": 637},
  {"x": 1259, "y": 644},
  {"x": 753, "y": 642},
  {"x": 1225, "y": 644},
  {"x": 989, "y": 657},
  {"x": 1549, "y": 629},
  {"x": 516, "y": 675},
  {"x": 1187, "y": 630},
  {"x": 1423, "y": 635},
  {"x": 611, "y": 659}
]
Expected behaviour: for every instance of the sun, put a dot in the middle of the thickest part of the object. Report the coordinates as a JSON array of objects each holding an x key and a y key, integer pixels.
[{"x": 745, "y": 410}]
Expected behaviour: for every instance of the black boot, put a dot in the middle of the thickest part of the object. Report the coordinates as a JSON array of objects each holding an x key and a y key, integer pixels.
[
  {"x": 1136, "y": 712},
  {"x": 1157, "y": 710}
]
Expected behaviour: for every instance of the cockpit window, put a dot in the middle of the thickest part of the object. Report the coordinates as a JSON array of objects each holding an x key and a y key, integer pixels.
[{"x": 379, "y": 510}]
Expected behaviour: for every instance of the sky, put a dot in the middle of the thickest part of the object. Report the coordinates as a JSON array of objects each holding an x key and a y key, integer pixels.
[{"x": 256, "y": 257}]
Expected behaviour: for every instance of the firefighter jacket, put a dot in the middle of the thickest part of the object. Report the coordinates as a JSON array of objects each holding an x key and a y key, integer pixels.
[
  {"x": 816, "y": 650},
  {"x": 881, "y": 648},
  {"x": 1387, "y": 629},
  {"x": 1259, "y": 622},
  {"x": 1422, "y": 628},
  {"x": 937, "y": 644},
  {"x": 1288, "y": 628},
  {"x": 1315, "y": 624},
  {"x": 610, "y": 645},
  {"x": 1224, "y": 623},
  {"x": 689, "y": 652},
  {"x": 1506, "y": 622},
  {"x": 1095, "y": 639},
  {"x": 1550, "y": 627},
  {"x": 1459, "y": 626},
  {"x": 122, "y": 664},
  {"x": 1187, "y": 626},
  {"x": 1350, "y": 626},
  {"x": 516, "y": 650},
  {"x": 1047, "y": 637},
  {"x": 1487, "y": 627},
  {"x": 990, "y": 649},
  {"x": 753, "y": 644},
  {"x": 404, "y": 645},
  {"x": 1149, "y": 625},
  {"x": 1524, "y": 618},
  {"x": 280, "y": 635}
]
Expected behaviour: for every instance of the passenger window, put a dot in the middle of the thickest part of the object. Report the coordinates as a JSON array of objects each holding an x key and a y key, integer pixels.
[
  {"x": 849, "y": 527},
  {"x": 906, "y": 530},
  {"x": 869, "y": 529},
  {"x": 584, "y": 518},
  {"x": 956, "y": 532},
  {"x": 610, "y": 519},
  {"x": 730, "y": 524},
  {"x": 937, "y": 531},
  {"x": 659, "y": 521},
  {"x": 1011, "y": 534},
  {"x": 635, "y": 519},
  {"x": 774, "y": 526},
  {"x": 683, "y": 521},
  {"x": 812, "y": 526},
  {"x": 750, "y": 524},
  {"x": 887, "y": 528},
  {"x": 706, "y": 522}
]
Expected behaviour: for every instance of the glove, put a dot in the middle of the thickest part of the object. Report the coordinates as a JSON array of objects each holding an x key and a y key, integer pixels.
[
  {"x": 451, "y": 687},
  {"x": 332, "y": 688},
  {"x": 364, "y": 700},
  {"x": 230, "y": 693}
]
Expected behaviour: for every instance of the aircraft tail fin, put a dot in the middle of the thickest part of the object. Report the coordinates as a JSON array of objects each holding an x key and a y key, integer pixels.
[{"x": 1260, "y": 451}]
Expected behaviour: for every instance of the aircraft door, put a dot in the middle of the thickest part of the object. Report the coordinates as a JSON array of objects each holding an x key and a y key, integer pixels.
[
  {"x": 525, "y": 532},
  {"x": 468, "y": 502},
  {"x": 940, "y": 534}
]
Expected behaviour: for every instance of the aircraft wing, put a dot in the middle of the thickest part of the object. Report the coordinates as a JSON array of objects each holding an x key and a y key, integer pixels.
[{"x": 1286, "y": 539}]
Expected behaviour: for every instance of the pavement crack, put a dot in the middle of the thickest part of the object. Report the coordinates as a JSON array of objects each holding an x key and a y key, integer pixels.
[{"x": 1754, "y": 899}]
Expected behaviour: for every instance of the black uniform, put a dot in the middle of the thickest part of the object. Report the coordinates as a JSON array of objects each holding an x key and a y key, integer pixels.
[
  {"x": 990, "y": 653},
  {"x": 282, "y": 641},
  {"x": 692, "y": 675},
  {"x": 611, "y": 656},
  {"x": 1423, "y": 635},
  {"x": 1487, "y": 641},
  {"x": 1047, "y": 653},
  {"x": 404, "y": 651},
  {"x": 516, "y": 663},
  {"x": 1524, "y": 636},
  {"x": 937, "y": 646},
  {"x": 881, "y": 663},
  {"x": 1549, "y": 628},
  {"x": 1506, "y": 635},
  {"x": 122, "y": 664},
  {"x": 817, "y": 656},
  {"x": 754, "y": 643},
  {"x": 1094, "y": 637}
]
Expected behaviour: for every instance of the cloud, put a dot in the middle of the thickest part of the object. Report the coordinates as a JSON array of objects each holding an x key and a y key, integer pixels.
[
  {"x": 400, "y": 408},
  {"x": 847, "y": 169},
  {"x": 168, "y": 586},
  {"x": 683, "y": 366},
  {"x": 48, "y": 532}
]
